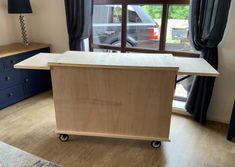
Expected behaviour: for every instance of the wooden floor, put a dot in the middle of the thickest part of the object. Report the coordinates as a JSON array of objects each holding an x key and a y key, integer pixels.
[{"x": 29, "y": 125}]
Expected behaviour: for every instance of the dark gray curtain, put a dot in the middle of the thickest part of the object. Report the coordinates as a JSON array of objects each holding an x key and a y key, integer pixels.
[
  {"x": 208, "y": 20},
  {"x": 79, "y": 22}
]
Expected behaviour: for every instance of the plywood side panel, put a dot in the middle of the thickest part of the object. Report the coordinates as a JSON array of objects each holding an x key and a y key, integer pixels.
[{"x": 113, "y": 101}]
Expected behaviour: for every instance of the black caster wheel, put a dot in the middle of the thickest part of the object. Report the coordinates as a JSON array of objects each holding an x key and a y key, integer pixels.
[
  {"x": 64, "y": 137},
  {"x": 156, "y": 144}
]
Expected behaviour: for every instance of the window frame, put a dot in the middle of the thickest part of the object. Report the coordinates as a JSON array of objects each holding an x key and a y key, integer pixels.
[
  {"x": 162, "y": 45},
  {"x": 162, "y": 41}
]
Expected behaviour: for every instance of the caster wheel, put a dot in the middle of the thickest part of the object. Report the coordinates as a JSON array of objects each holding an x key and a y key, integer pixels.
[
  {"x": 64, "y": 137},
  {"x": 156, "y": 144}
]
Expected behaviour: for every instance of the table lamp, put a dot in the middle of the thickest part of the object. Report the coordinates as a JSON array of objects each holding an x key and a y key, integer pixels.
[{"x": 20, "y": 7}]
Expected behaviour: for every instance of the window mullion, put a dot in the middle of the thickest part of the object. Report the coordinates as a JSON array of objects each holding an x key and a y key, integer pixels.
[
  {"x": 164, "y": 27},
  {"x": 124, "y": 27},
  {"x": 90, "y": 40}
]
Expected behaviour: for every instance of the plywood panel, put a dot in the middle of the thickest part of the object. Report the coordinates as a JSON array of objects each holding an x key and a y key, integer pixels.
[
  {"x": 135, "y": 103},
  {"x": 38, "y": 62},
  {"x": 117, "y": 60},
  {"x": 195, "y": 66},
  {"x": 185, "y": 66}
]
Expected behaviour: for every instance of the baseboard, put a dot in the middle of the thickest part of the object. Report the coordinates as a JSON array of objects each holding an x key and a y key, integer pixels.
[
  {"x": 179, "y": 108},
  {"x": 210, "y": 118}
]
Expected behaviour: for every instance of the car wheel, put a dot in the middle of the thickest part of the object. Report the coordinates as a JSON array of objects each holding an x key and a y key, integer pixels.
[{"x": 118, "y": 43}]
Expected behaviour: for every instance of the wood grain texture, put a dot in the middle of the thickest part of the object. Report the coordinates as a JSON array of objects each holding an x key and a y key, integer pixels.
[
  {"x": 195, "y": 66},
  {"x": 38, "y": 62},
  {"x": 185, "y": 66},
  {"x": 17, "y": 48},
  {"x": 113, "y": 102},
  {"x": 117, "y": 60},
  {"x": 119, "y": 136},
  {"x": 29, "y": 125}
]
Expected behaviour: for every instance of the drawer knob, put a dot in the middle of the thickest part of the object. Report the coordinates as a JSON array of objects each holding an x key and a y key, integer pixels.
[
  {"x": 8, "y": 78},
  {"x": 10, "y": 94},
  {"x": 26, "y": 80},
  {"x": 13, "y": 61}
]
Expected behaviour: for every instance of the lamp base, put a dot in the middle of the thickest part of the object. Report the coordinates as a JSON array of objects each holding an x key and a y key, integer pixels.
[{"x": 23, "y": 31}]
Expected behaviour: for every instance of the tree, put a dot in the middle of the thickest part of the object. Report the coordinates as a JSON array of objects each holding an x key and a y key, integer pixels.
[
  {"x": 175, "y": 11},
  {"x": 155, "y": 11},
  {"x": 179, "y": 12}
]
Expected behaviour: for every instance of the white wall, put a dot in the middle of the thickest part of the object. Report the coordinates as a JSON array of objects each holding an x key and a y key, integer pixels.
[
  {"x": 8, "y": 26},
  {"x": 224, "y": 91},
  {"x": 47, "y": 24}
]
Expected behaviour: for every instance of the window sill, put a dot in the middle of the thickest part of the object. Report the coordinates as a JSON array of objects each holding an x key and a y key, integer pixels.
[{"x": 179, "y": 108}]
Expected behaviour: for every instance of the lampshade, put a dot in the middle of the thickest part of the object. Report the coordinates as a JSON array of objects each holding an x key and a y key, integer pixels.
[{"x": 19, "y": 6}]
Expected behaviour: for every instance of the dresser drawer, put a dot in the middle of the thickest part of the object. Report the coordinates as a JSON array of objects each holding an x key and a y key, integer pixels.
[
  {"x": 26, "y": 55},
  {"x": 1, "y": 66},
  {"x": 36, "y": 81},
  {"x": 10, "y": 78},
  {"x": 15, "y": 84},
  {"x": 32, "y": 53},
  {"x": 9, "y": 62},
  {"x": 11, "y": 95}
]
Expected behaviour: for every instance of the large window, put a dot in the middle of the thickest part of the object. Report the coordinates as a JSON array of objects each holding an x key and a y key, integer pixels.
[{"x": 147, "y": 26}]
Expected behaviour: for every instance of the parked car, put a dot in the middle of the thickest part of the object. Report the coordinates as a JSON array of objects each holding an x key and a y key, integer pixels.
[{"x": 142, "y": 30}]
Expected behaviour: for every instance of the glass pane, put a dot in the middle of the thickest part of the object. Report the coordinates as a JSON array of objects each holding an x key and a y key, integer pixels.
[
  {"x": 143, "y": 26},
  {"x": 183, "y": 88},
  {"x": 107, "y": 24},
  {"x": 177, "y": 38}
]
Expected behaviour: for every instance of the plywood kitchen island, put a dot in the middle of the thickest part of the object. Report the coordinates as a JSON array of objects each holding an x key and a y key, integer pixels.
[{"x": 115, "y": 94}]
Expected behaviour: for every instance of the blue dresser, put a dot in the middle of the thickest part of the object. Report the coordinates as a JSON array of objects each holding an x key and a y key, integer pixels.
[{"x": 15, "y": 84}]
